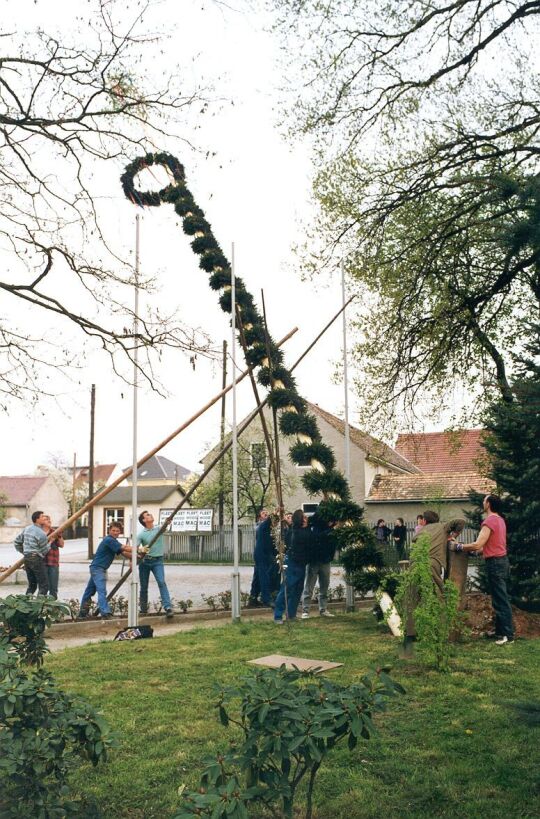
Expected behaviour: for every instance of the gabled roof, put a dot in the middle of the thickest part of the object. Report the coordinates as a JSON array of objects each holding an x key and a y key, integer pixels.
[
  {"x": 158, "y": 467},
  {"x": 145, "y": 494},
  {"x": 102, "y": 473},
  {"x": 442, "y": 486},
  {"x": 374, "y": 449},
  {"x": 459, "y": 451},
  {"x": 20, "y": 489}
]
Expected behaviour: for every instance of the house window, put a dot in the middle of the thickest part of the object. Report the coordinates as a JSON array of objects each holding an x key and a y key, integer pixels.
[
  {"x": 310, "y": 508},
  {"x": 115, "y": 515},
  {"x": 258, "y": 455}
]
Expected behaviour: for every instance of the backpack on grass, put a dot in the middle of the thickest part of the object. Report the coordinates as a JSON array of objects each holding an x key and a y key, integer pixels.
[{"x": 135, "y": 633}]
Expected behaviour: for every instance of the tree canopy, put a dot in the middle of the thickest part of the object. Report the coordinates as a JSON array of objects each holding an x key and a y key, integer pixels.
[
  {"x": 71, "y": 105},
  {"x": 425, "y": 122}
]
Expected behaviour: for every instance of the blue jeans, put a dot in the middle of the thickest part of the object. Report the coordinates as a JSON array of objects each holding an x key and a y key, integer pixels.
[
  {"x": 97, "y": 583},
  {"x": 294, "y": 583},
  {"x": 498, "y": 571},
  {"x": 155, "y": 566},
  {"x": 53, "y": 573}
]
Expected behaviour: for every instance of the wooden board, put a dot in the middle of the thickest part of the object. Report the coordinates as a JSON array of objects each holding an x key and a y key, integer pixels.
[{"x": 301, "y": 663}]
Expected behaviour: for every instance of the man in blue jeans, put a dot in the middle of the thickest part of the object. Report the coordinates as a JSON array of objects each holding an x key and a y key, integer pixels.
[
  {"x": 152, "y": 563},
  {"x": 105, "y": 554}
]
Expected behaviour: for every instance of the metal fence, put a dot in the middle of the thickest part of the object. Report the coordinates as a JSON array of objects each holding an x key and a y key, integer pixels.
[
  {"x": 217, "y": 546},
  {"x": 210, "y": 547}
]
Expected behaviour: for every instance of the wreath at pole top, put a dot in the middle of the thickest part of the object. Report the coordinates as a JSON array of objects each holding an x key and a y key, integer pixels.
[{"x": 294, "y": 419}]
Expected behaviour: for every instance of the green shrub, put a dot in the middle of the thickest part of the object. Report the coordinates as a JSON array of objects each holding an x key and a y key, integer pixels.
[
  {"x": 436, "y": 615},
  {"x": 44, "y": 731},
  {"x": 289, "y": 721}
]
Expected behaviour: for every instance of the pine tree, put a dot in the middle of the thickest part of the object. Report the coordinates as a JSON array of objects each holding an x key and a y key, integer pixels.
[{"x": 512, "y": 441}]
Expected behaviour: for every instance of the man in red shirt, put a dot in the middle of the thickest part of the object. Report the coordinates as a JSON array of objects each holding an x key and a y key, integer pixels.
[
  {"x": 492, "y": 543},
  {"x": 52, "y": 558}
]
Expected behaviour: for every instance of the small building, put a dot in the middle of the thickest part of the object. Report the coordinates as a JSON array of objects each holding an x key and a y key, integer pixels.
[
  {"x": 406, "y": 496},
  {"x": 449, "y": 466},
  {"x": 116, "y": 506},
  {"x": 21, "y": 495},
  {"x": 368, "y": 457}
]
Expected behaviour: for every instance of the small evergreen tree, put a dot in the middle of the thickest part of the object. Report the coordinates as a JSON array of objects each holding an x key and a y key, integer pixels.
[{"x": 512, "y": 441}]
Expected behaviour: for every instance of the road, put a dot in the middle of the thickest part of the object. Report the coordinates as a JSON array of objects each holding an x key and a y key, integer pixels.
[{"x": 185, "y": 581}]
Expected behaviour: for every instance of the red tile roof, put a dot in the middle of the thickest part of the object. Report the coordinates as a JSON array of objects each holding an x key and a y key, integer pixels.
[
  {"x": 459, "y": 451},
  {"x": 374, "y": 449},
  {"x": 20, "y": 489},
  {"x": 429, "y": 486}
]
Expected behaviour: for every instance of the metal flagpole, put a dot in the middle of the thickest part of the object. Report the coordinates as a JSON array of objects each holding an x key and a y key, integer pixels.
[
  {"x": 235, "y": 601},
  {"x": 349, "y": 590},
  {"x": 133, "y": 611}
]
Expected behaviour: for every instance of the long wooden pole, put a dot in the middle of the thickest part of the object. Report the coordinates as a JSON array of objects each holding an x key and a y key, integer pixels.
[
  {"x": 105, "y": 491},
  {"x": 223, "y": 451}
]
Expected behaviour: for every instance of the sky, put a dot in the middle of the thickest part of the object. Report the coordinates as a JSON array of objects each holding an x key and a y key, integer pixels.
[{"x": 255, "y": 192}]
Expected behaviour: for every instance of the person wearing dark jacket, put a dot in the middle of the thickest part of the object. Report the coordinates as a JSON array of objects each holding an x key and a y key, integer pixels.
[
  {"x": 264, "y": 557},
  {"x": 399, "y": 536},
  {"x": 382, "y": 532},
  {"x": 299, "y": 548},
  {"x": 318, "y": 568}
]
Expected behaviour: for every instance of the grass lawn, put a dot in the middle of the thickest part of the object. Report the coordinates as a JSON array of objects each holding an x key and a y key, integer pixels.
[{"x": 455, "y": 745}]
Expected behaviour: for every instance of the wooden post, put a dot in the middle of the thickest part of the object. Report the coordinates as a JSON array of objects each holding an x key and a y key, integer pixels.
[{"x": 73, "y": 496}]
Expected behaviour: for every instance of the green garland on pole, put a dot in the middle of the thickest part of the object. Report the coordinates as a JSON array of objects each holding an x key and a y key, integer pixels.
[{"x": 322, "y": 478}]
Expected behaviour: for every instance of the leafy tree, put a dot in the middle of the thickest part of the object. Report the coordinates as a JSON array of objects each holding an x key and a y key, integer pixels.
[
  {"x": 72, "y": 105},
  {"x": 255, "y": 483},
  {"x": 426, "y": 128},
  {"x": 513, "y": 444}
]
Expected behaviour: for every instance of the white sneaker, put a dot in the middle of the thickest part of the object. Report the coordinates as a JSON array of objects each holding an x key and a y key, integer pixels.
[
  {"x": 503, "y": 641},
  {"x": 326, "y": 613},
  {"x": 278, "y": 622},
  {"x": 305, "y": 615}
]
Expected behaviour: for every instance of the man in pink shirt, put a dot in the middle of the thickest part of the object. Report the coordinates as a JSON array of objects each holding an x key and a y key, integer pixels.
[{"x": 492, "y": 543}]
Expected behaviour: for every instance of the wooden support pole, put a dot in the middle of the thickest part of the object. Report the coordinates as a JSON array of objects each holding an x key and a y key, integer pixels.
[{"x": 105, "y": 491}]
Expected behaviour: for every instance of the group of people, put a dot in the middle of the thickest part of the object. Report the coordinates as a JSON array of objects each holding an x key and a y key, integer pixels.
[
  {"x": 399, "y": 536},
  {"x": 41, "y": 555},
  {"x": 490, "y": 543},
  {"x": 310, "y": 549}
]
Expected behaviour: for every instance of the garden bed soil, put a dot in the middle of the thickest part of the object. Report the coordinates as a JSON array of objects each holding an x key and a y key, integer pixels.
[{"x": 479, "y": 617}]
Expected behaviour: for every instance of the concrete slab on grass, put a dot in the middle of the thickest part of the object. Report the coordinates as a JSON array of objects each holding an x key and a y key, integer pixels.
[{"x": 301, "y": 663}]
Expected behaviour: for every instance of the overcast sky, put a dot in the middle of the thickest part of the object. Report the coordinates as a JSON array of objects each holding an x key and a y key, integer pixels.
[{"x": 256, "y": 193}]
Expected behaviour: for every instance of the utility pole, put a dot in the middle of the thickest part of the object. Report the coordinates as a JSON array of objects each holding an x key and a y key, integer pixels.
[
  {"x": 73, "y": 496},
  {"x": 91, "y": 474},
  {"x": 221, "y": 515},
  {"x": 133, "y": 611},
  {"x": 235, "y": 602}
]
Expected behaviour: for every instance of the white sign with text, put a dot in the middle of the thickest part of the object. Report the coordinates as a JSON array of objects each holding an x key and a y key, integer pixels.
[{"x": 188, "y": 520}]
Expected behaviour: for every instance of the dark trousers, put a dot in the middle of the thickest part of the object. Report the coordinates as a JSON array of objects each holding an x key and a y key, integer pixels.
[
  {"x": 261, "y": 583},
  {"x": 36, "y": 572},
  {"x": 498, "y": 571}
]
